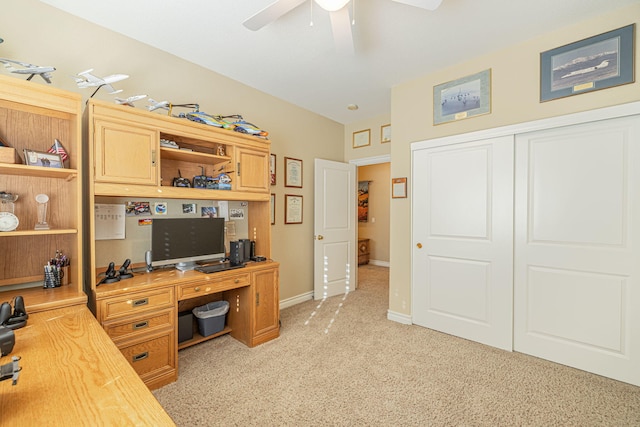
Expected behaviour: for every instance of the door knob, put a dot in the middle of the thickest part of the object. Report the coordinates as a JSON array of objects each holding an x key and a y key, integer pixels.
[
  {"x": 419, "y": 245},
  {"x": 320, "y": 237}
]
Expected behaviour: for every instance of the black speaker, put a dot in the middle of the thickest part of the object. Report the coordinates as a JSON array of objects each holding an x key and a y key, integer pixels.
[
  {"x": 246, "y": 247},
  {"x": 236, "y": 254}
]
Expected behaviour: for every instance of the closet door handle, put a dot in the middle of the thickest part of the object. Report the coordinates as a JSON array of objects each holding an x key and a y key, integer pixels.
[{"x": 419, "y": 245}]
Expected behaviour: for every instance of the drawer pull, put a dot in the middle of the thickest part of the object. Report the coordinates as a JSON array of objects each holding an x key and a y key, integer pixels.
[
  {"x": 237, "y": 281},
  {"x": 139, "y": 302},
  {"x": 141, "y": 356},
  {"x": 140, "y": 325},
  {"x": 197, "y": 289}
]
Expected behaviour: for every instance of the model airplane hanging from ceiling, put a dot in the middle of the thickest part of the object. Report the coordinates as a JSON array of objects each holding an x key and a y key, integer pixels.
[
  {"x": 30, "y": 69},
  {"x": 338, "y": 12},
  {"x": 85, "y": 79},
  {"x": 130, "y": 100}
]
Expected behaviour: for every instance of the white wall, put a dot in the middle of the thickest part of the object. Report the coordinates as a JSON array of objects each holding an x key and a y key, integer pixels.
[
  {"x": 37, "y": 33},
  {"x": 515, "y": 99}
]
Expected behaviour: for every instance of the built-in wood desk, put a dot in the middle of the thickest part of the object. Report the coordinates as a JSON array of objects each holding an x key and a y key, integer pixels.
[{"x": 73, "y": 374}]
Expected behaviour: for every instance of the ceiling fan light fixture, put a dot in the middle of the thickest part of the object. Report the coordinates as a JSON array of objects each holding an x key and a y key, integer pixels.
[{"x": 332, "y": 5}]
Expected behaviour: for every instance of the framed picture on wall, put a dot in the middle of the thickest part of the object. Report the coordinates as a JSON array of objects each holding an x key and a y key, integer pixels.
[
  {"x": 399, "y": 188},
  {"x": 292, "y": 209},
  {"x": 594, "y": 63},
  {"x": 272, "y": 212},
  {"x": 292, "y": 172},
  {"x": 385, "y": 133},
  {"x": 361, "y": 138},
  {"x": 463, "y": 98},
  {"x": 272, "y": 169}
]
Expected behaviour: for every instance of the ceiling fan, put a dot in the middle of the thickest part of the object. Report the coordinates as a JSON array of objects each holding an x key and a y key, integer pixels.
[{"x": 338, "y": 12}]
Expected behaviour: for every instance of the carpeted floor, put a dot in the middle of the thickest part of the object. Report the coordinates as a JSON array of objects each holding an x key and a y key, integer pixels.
[{"x": 342, "y": 363}]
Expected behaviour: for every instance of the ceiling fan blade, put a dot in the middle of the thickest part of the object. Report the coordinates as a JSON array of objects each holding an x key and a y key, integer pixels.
[
  {"x": 341, "y": 28},
  {"x": 424, "y": 4},
  {"x": 271, "y": 13}
]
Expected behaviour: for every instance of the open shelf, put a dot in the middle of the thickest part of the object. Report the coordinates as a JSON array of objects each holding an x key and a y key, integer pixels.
[{"x": 197, "y": 338}]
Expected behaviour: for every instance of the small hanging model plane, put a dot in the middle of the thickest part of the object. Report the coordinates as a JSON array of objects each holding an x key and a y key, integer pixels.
[
  {"x": 156, "y": 105},
  {"x": 130, "y": 100},
  {"x": 85, "y": 79},
  {"x": 32, "y": 70}
]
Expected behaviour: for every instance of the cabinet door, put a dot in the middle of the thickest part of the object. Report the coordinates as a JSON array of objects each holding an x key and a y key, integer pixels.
[
  {"x": 252, "y": 170},
  {"x": 267, "y": 309},
  {"x": 125, "y": 154}
]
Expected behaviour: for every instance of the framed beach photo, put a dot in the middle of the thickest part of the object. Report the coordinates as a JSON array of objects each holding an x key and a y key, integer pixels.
[
  {"x": 594, "y": 63},
  {"x": 459, "y": 99}
]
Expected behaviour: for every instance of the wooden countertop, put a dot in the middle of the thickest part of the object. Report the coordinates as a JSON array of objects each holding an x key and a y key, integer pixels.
[{"x": 73, "y": 374}]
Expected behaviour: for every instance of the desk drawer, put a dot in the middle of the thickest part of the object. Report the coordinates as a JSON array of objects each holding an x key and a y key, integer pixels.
[
  {"x": 151, "y": 357},
  {"x": 141, "y": 325},
  {"x": 212, "y": 285},
  {"x": 131, "y": 304}
]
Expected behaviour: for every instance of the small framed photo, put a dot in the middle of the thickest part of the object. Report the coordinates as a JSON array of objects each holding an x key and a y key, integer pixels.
[
  {"x": 385, "y": 133},
  {"x": 292, "y": 209},
  {"x": 362, "y": 138},
  {"x": 594, "y": 63},
  {"x": 272, "y": 213},
  {"x": 46, "y": 160},
  {"x": 399, "y": 188},
  {"x": 292, "y": 172},
  {"x": 463, "y": 98},
  {"x": 272, "y": 169}
]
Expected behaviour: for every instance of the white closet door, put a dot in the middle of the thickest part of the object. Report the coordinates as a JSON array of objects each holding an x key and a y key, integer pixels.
[
  {"x": 577, "y": 247},
  {"x": 463, "y": 240}
]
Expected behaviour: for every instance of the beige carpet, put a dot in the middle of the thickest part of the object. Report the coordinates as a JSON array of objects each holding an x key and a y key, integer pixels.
[{"x": 342, "y": 363}]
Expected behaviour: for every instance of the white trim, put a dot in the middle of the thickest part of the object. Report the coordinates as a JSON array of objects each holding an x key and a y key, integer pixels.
[
  {"x": 405, "y": 319},
  {"x": 290, "y": 302},
  {"x": 606, "y": 113},
  {"x": 379, "y": 263},
  {"x": 386, "y": 158}
]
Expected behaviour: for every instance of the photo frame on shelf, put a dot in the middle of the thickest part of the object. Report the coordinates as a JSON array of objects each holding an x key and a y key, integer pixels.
[
  {"x": 462, "y": 98},
  {"x": 361, "y": 138},
  {"x": 272, "y": 169},
  {"x": 399, "y": 188},
  {"x": 385, "y": 133},
  {"x": 272, "y": 210},
  {"x": 38, "y": 158},
  {"x": 292, "y": 209},
  {"x": 292, "y": 172},
  {"x": 598, "y": 62}
]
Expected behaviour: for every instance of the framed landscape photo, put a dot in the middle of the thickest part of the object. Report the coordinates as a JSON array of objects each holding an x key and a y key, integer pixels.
[
  {"x": 292, "y": 172},
  {"x": 47, "y": 160},
  {"x": 594, "y": 63},
  {"x": 292, "y": 209},
  {"x": 459, "y": 99}
]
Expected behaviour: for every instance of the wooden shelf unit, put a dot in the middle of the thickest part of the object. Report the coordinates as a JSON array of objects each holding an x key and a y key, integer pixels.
[
  {"x": 126, "y": 160},
  {"x": 31, "y": 117}
]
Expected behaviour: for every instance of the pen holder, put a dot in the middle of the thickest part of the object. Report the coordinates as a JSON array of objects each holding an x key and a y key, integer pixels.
[
  {"x": 52, "y": 276},
  {"x": 65, "y": 275}
]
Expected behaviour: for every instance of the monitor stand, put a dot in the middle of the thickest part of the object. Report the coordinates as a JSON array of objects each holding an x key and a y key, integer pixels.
[{"x": 186, "y": 266}]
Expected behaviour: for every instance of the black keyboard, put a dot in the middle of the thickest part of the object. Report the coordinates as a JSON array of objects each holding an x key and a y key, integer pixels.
[{"x": 213, "y": 268}]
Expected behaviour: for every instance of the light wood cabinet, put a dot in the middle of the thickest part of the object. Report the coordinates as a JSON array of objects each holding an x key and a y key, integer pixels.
[
  {"x": 125, "y": 153},
  {"x": 32, "y": 116},
  {"x": 252, "y": 170},
  {"x": 140, "y": 314}
]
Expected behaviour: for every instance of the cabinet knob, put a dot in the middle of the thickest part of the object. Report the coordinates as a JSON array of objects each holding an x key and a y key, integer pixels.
[
  {"x": 197, "y": 289},
  {"x": 237, "y": 281}
]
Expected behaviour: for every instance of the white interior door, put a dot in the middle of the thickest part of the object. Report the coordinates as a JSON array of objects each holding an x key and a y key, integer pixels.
[
  {"x": 577, "y": 242},
  {"x": 463, "y": 240},
  {"x": 335, "y": 245}
]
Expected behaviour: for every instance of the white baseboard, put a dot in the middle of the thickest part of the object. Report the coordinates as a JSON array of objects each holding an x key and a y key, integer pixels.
[
  {"x": 405, "y": 319},
  {"x": 379, "y": 263},
  {"x": 289, "y": 302}
]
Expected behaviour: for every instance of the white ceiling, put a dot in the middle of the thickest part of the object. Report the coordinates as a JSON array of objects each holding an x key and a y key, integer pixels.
[{"x": 298, "y": 63}]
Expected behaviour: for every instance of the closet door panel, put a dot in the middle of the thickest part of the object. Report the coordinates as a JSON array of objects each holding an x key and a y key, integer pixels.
[
  {"x": 463, "y": 240},
  {"x": 577, "y": 246}
]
